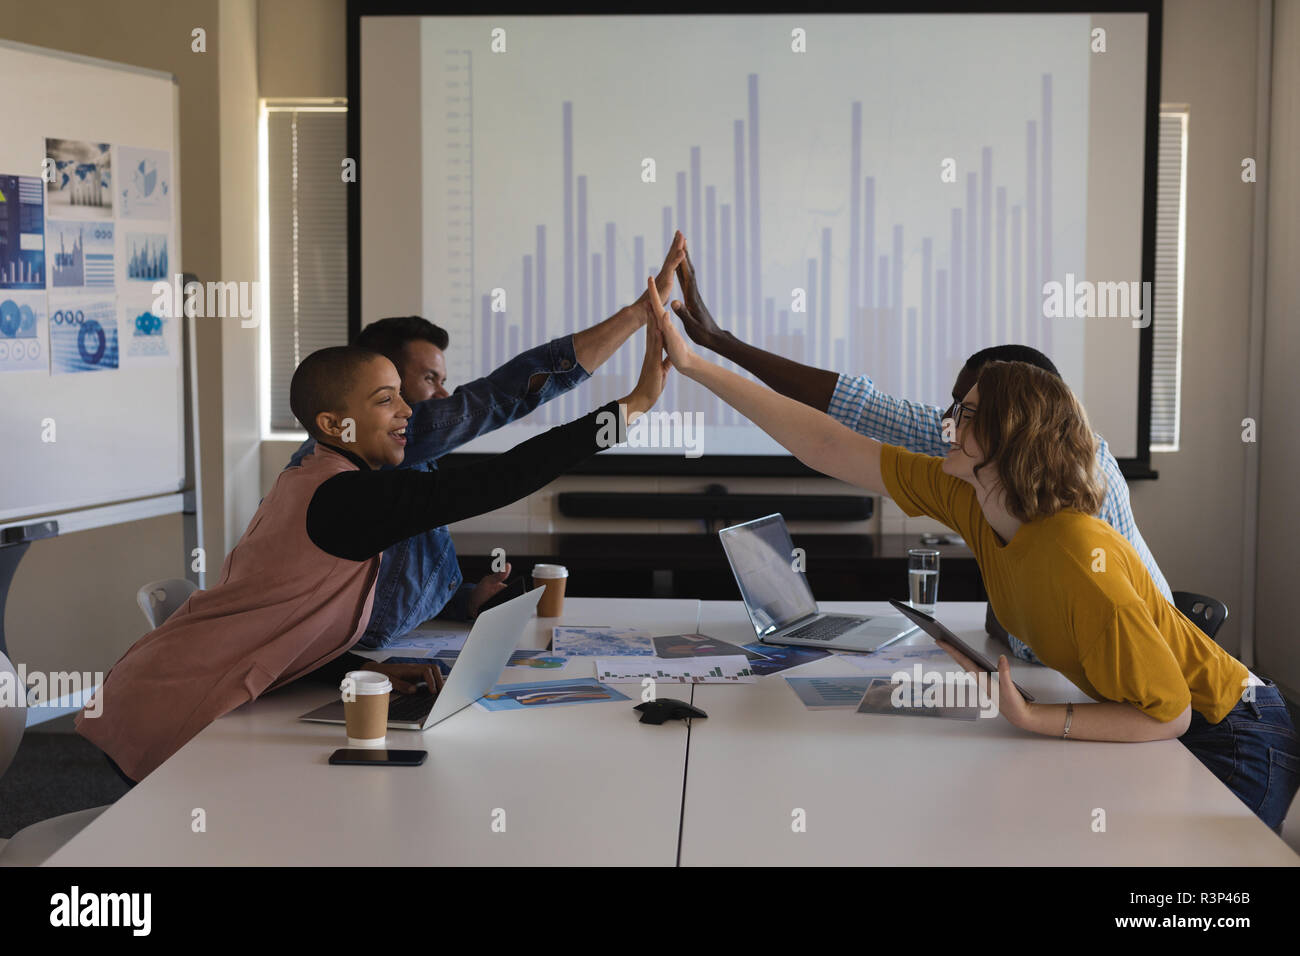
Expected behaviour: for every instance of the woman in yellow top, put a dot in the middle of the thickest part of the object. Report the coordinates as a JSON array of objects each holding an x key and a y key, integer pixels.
[{"x": 1019, "y": 484}]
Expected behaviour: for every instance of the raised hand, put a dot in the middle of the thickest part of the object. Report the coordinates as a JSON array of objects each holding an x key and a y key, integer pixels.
[
  {"x": 592, "y": 347},
  {"x": 664, "y": 280},
  {"x": 487, "y": 588},
  {"x": 654, "y": 367},
  {"x": 679, "y": 350},
  {"x": 693, "y": 312}
]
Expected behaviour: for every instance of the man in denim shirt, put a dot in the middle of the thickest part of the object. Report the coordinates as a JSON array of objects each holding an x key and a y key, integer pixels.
[
  {"x": 856, "y": 403},
  {"x": 420, "y": 578}
]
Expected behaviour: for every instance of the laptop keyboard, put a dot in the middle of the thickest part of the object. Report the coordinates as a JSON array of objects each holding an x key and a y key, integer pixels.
[
  {"x": 409, "y": 707},
  {"x": 825, "y": 628}
]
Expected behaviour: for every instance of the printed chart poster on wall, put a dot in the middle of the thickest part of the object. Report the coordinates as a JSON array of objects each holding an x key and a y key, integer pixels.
[
  {"x": 81, "y": 254},
  {"x": 22, "y": 233},
  {"x": 22, "y": 275},
  {"x": 145, "y": 186},
  {"x": 82, "y": 180},
  {"x": 146, "y": 257},
  {"x": 83, "y": 334},
  {"x": 149, "y": 335},
  {"x": 23, "y": 332}
]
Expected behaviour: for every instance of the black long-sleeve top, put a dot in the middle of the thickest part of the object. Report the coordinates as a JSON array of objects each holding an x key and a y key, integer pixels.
[{"x": 357, "y": 514}]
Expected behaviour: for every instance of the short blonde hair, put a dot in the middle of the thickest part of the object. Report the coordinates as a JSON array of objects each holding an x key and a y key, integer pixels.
[{"x": 1035, "y": 433}]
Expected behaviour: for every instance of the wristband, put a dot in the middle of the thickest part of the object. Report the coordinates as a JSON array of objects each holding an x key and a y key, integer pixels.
[{"x": 1069, "y": 716}]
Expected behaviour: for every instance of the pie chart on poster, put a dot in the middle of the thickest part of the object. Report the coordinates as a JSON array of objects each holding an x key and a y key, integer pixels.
[{"x": 11, "y": 318}]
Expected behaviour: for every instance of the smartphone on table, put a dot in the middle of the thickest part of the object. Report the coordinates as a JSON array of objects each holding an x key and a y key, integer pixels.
[{"x": 359, "y": 757}]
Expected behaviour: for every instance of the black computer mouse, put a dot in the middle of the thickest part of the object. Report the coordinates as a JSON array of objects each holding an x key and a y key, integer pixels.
[{"x": 667, "y": 708}]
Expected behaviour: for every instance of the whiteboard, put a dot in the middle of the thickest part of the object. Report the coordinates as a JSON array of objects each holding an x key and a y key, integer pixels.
[{"x": 92, "y": 407}]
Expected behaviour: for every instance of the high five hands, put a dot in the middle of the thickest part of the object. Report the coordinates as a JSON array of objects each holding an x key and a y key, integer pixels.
[
  {"x": 695, "y": 316},
  {"x": 654, "y": 367},
  {"x": 664, "y": 280},
  {"x": 679, "y": 352},
  {"x": 661, "y": 334}
]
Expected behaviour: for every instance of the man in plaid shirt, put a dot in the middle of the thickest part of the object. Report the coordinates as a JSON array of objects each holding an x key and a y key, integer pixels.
[{"x": 855, "y": 402}]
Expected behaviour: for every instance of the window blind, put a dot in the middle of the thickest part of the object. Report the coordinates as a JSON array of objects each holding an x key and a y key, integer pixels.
[
  {"x": 307, "y": 284},
  {"x": 1167, "y": 320}
]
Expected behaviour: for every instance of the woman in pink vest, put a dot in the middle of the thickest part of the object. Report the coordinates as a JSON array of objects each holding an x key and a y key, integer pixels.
[{"x": 295, "y": 592}]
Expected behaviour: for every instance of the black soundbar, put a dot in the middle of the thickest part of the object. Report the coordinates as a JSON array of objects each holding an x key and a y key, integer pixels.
[{"x": 713, "y": 505}]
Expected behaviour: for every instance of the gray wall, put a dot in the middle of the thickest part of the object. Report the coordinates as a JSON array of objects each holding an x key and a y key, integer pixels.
[
  {"x": 1276, "y": 644},
  {"x": 1192, "y": 517}
]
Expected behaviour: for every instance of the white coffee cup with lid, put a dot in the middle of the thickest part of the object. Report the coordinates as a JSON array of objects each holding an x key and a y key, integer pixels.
[{"x": 554, "y": 577}]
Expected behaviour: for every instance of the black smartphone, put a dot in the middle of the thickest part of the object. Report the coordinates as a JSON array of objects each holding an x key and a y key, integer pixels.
[
  {"x": 513, "y": 589},
  {"x": 357, "y": 757}
]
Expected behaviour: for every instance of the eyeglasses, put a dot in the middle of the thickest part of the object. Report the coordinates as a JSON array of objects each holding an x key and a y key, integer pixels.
[{"x": 959, "y": 412}]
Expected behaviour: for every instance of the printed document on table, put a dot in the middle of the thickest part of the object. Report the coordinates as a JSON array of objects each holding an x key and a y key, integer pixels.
[{"x": 688, "y": 670}]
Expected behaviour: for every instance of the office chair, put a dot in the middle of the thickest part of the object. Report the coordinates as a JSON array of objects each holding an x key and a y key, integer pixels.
[
  {"x": 32, "y": 845},
  {"x": 13, "y": 720},
  {"x": 1206, "y": 612},
  {"x": 160, "y": 599}
]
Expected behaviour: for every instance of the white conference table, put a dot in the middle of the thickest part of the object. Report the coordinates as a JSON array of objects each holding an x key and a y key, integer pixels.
[
  {"x": 886, "y": 790},
  {"x": 582, "y": 784},
  {"x": 589, "y": 784}
]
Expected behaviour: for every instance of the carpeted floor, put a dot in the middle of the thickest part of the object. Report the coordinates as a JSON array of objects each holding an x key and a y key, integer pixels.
[{"x": 53, "y": 774}]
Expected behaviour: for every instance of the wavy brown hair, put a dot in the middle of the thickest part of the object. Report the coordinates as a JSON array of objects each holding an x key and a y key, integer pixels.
[{"x": 1035, "y": 433}]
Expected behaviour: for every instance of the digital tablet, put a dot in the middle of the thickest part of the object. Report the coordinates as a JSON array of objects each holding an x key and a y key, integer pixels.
[{"x": 940, "y": 633}]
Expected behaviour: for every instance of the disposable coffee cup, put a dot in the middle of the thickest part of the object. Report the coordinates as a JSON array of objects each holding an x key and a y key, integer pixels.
[
  {"x": 554, "y": 577},
  {"x": 365, "y": 708}
]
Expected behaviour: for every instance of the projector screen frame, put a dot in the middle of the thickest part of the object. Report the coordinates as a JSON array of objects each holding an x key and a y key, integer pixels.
[{"x": 1137, "y": 467}]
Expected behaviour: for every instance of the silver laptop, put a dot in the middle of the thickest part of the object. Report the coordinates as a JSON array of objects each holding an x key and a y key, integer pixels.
[
  {"x": 780, "y": 602},
  {"x": 487, "y": 649}
]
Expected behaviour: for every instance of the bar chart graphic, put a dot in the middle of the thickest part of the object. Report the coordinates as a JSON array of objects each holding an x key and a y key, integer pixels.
[
  {"x": 22, "y": 233},
  {"x": 146, "y": 256},
  {"x": 81, "y": 254},
  {"x": 68, "y": 253},
  {"x": 890, "y": 238},
  {"x": 699, "y": 670}
]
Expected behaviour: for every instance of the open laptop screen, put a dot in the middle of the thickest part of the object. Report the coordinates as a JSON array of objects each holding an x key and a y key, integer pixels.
[{"x": 761, "y": 556}]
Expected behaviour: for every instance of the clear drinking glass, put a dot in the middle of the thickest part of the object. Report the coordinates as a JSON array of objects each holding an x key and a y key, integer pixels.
[{"x": 923, "y": 578}]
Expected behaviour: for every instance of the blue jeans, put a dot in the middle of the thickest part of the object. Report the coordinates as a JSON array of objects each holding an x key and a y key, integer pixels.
[{"x": 1254, "y": 750}]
